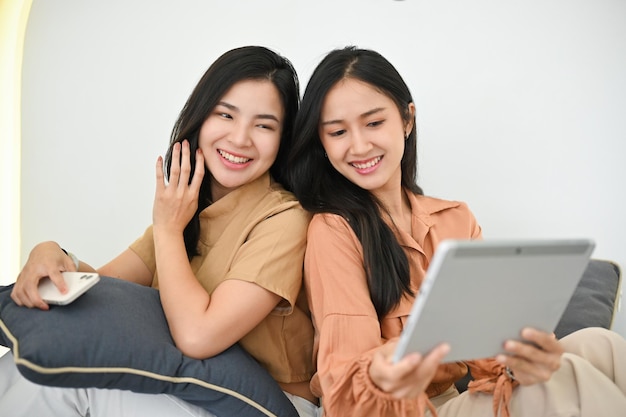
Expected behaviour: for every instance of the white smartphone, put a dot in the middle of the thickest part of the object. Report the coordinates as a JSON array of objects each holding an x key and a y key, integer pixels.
[{"x": 77, "y": 283}]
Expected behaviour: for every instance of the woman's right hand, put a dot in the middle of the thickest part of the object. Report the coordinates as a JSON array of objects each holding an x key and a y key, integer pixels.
[
  {"x": 409, "y": 377},
  {"x": 176, "y": 200},
  {"x": 47, "y": 259}
]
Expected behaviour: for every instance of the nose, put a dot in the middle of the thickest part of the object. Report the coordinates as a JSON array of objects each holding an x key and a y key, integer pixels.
[
  {"x": 240, "y": 135},
  {"x": 359, "y": 143}
]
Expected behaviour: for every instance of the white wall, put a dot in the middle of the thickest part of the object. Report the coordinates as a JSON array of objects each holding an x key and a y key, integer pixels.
[{"x": 521, "y": 105}]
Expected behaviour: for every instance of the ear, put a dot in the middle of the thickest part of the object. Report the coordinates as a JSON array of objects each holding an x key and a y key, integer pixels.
[{"x": 410, "y": 119}]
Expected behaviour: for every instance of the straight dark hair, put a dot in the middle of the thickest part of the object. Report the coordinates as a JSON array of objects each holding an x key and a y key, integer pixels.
[
  {"x": 321, "y": 189},
  {"x": 244, "y": 63}
]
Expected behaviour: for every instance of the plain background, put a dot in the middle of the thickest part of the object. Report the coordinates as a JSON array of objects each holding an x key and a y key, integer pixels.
[{"x": 521, "y": 105}]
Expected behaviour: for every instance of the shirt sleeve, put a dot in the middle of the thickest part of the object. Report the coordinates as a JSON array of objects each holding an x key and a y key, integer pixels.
[
  {"x": 272, "y": 255},
  {"x": 347, "y": 326},
  {"x": 144, "y": 248}
]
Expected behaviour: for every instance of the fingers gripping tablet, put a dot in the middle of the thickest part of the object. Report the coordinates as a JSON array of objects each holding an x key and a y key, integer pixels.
[{"x": 77, "y": 283}]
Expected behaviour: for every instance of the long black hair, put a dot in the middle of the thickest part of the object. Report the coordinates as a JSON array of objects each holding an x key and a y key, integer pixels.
[
  {"x": 321, "y": 189},
  {"x": 244, "y": 63}
]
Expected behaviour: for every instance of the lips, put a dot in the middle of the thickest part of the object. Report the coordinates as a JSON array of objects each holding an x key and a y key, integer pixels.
[
  {"x": 233, "y": 158},
  {"x": 366, "y": 164}
]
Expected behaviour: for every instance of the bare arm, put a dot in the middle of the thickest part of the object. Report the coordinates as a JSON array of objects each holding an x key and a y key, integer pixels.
[
  {"x": 127, "y": 266},
  {"x": 202, "y": 325}
]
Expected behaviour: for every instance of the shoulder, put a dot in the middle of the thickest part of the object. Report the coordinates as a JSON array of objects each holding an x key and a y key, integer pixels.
[
  {"x": 277, "y": 201},
  {"x": 432, "y": 206},
  {"x": 332, "y": 244},
  {"x": 262, "y": 197},
  {"x": 332, "y": 230},
  {"x": 449, "y": 216},
  {"x": 276, "y": 191},
  {"x": 329, "y": 222}
]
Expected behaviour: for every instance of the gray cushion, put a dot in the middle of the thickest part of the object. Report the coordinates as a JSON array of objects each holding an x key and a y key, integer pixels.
[
  {"x": 593, "y": 302},
  {"x": 116, "y": 336}
]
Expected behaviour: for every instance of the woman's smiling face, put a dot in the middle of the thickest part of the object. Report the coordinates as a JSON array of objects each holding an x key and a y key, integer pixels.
[
  {"x": 241, "y": 136},
  {"x": 363, "y": 134}
]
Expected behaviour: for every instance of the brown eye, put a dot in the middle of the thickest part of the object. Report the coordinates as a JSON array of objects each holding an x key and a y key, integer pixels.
[{"x": 336, "y": 133}]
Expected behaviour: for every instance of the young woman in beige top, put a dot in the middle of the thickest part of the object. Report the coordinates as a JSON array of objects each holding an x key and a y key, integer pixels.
[
  {"x": 227, "y": 241},
  {"x": 369, "y": 244}
]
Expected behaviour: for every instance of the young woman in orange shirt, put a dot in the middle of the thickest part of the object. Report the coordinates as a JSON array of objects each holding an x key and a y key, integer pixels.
[{"x": 372, "y": 236}]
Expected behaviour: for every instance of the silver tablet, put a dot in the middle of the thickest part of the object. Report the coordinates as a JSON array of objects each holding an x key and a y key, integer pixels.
[{"x": 477, "y": 294}]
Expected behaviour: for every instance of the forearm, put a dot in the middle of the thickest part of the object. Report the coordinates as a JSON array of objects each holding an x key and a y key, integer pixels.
[
  {"x": 185, "y": 302},
  {"x": 85, "y": 267}
]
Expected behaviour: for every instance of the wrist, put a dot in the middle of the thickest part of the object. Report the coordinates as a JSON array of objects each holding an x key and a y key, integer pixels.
[
  {"x": 166, "y": 230},
  {"x": 73, "y": 257}
]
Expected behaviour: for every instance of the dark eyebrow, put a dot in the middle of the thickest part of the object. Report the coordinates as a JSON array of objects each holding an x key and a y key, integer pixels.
[
  {"x": 362, "y": 116},
  {"x": 258, "y": 116}
]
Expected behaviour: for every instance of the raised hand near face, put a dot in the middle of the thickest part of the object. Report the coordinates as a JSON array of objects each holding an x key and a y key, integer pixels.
[{"x": 176, "y": 201}]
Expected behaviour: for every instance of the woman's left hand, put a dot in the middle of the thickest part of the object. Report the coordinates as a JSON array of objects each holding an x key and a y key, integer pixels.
[
  {"x": 176, "y": 202},
  {"x": 532, "y": 362}
]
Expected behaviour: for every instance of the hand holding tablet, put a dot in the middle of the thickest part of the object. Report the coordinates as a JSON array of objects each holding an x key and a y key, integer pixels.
[{"x": 478, "y": 294}]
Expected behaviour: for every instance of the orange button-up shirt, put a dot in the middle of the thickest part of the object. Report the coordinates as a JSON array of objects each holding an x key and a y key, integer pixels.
[{"x": 347, "y": 329}]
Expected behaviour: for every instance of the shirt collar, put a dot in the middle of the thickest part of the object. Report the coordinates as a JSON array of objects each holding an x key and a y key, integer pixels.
[{"x": 422, "y": 208}]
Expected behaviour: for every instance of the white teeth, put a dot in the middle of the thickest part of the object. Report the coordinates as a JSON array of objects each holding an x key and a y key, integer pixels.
[
  {"x": 368, "y": 164},
  {"x": 232, "y": 158}
]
